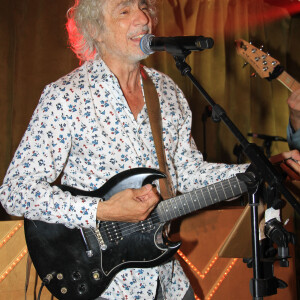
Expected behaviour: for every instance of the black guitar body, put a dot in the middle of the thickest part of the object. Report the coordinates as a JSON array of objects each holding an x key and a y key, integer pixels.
[
  {"x": 80, "y": 263},
  {"x": 83, "y": 262}
]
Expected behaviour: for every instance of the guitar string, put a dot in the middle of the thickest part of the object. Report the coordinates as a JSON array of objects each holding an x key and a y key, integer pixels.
[
  {"x": 116, "y": 232},
  {"x": 125, "y": 228}
]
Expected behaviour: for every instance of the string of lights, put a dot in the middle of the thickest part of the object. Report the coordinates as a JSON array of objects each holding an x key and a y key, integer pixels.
[
  {"x": 20, "y": 255},
  {"x": 210, "y": 265},
  {"x": 11, "y": 233},
  {"x": 13, "y": 263},
  {"x": 200, "y": 274}
]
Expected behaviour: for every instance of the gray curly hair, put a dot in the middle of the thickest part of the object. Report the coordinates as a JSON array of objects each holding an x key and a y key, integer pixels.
[{"x": 85, "y": 22}]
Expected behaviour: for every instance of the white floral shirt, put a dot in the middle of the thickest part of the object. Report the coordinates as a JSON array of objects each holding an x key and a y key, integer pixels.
[{"x": 84, "y": 128}]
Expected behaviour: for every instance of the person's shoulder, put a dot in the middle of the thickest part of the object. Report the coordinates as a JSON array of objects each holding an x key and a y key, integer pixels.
[
  {"x": 82, "y": 77},
  {"x": 67, "y": 87},
  {"x": 73, "y": 79}
]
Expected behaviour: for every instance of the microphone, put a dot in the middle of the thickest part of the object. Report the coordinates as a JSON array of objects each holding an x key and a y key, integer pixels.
[{"x": 174, "y": 45}]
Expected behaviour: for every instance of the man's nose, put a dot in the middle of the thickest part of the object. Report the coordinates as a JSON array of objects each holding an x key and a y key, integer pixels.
[{"x": 141, "y": 17}]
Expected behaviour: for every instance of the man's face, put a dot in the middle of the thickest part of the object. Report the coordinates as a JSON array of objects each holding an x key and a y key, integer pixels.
[{"x": 125, "y": 22}]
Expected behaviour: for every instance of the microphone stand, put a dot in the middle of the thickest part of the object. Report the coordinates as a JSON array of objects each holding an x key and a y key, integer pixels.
[
  {"x": 259, "y": 286},
  {"x": 268, "y": 139}
]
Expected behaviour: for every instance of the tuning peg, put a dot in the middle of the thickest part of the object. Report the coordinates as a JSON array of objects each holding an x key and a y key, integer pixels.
[
  {"x": 253, "y": 75},
  {"x": 261, "y": 47},
  {"x": 245, "y": 64}
]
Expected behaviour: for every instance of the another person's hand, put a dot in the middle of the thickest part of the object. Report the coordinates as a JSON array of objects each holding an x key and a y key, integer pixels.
[
  {"x": 130, "y": 205},
  {"x": 294, "y": 105},
  {"x": 289, "y": 162}
]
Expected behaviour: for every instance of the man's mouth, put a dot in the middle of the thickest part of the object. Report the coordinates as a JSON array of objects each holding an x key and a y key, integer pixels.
[{"x": 137, "y": 37}]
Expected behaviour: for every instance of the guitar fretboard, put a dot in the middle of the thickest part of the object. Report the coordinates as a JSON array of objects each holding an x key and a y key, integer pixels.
[
  {"x": 288, "y": 81},
  {"x": 198, "y": 199}
]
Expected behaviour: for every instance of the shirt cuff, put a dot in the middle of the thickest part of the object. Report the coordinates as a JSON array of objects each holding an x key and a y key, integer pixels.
[
  {"x": 84, "y": 212},
  {"x": 293, "y": 137}
]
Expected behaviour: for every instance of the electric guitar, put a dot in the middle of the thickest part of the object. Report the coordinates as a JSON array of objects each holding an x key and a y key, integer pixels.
[
  {"x": 80, "y": 263},
  {"x": 265, "y": 65}
]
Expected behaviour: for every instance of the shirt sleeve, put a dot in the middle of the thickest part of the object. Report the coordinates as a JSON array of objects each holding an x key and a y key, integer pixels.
[
  {"x": 293, "y": 137},
  {"x": 38, "y": 161},
  {"x": 192, "y": 171}
]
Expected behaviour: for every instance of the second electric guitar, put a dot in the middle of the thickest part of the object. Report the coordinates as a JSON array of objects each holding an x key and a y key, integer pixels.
[{"x": 265, "y": 65}]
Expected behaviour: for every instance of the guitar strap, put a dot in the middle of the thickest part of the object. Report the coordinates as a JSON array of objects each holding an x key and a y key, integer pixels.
[{"x": 154, "y": 114}]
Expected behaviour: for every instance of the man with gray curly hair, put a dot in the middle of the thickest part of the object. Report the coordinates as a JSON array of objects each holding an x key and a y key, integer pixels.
[
  {"x": 92, "y": 124},
  {"x": 86, "y": 22}
]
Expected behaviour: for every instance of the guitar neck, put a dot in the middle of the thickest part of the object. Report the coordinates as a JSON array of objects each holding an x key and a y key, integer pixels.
[
  {"x": 184, "y": 204},
  {"x": 288, "y": 81}
]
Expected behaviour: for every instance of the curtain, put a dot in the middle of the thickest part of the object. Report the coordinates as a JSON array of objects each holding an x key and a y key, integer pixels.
[
  {"x": 253, "y": 104},
  {"x": 34, "y": 52}
]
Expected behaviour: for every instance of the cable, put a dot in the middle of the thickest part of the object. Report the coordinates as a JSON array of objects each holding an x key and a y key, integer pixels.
[
  {"x": 46, "y": 280},
  {"x": 40, "y": 291}
]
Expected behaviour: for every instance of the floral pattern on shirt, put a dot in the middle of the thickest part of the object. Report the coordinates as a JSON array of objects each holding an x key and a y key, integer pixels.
[{"x": 83, "y": 127}]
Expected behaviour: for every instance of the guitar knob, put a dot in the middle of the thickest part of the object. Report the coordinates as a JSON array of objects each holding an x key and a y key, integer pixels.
[
  {"x": 96, "y": 275},
  {"x": 76, "y": 275},
  {"x": 82, "y": 288}
]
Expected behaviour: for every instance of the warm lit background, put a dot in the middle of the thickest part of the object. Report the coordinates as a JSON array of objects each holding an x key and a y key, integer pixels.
[{"x": 34, "y": 52}]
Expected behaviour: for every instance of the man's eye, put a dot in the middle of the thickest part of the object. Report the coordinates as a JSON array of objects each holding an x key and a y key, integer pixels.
[{"x": 125, "y": 12}]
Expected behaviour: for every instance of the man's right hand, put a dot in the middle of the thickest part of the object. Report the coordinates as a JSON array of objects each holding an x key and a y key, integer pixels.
[{"x": 130, "y": 205}]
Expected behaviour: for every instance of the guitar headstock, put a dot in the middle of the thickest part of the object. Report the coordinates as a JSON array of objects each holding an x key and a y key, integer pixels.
[{"x": 262, "y": 62}]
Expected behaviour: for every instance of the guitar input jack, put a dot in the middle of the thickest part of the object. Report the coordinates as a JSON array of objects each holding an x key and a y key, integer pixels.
[{"x": 46, "y": 280}]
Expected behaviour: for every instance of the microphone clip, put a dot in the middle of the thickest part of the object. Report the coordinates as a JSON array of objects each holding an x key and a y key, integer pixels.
[
  {"x": 181, "y": 64},
  {"x": 275, "y": 231}
]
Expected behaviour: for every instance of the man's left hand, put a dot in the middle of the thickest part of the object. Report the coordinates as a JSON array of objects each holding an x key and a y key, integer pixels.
[
  {"x": 289, "y": 162},
  {"x": 294, "y": 105}
]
